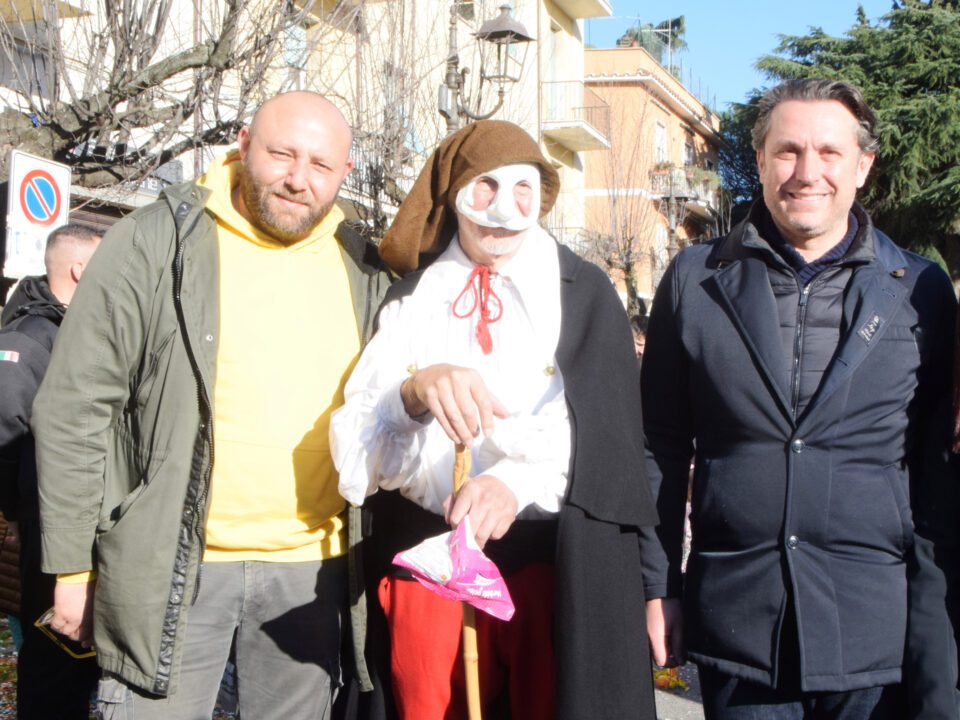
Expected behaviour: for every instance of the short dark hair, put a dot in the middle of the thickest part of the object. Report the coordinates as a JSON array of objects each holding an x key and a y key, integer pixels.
[
  {"x": 79, "y": 233},
  {"x": 814, "y": 89},
  {"x": 638, "y": 323},
  {"x": 83, "y": 233}
]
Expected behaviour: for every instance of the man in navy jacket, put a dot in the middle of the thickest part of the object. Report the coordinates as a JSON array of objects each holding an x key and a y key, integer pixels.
[{"x": 803, "y": 361}]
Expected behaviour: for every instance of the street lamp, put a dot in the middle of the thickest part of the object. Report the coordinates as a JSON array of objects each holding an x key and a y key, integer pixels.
[
  {"x": 673, "y": 247},
  {"x": 495, "y": 38},
  {"x": 678, "y": 192}
]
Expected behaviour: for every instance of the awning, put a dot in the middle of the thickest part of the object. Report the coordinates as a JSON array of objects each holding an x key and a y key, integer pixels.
[{"x": 29, "y": 11}]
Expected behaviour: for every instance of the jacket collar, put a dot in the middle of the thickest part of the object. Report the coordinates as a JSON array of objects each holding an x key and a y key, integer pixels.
[
  {"x": 53, "y": 311},
  {"x": 33, "y": 297},
  {"x": 362, "y": 252},
  {"x": 875, "y": 291},
  {"x": 745, "y": 241}
]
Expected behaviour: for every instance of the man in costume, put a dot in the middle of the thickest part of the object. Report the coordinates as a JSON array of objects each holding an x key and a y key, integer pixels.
[
  {"x": 188, "y": 498},
  {"x": 501, "y": 340},
  {"x": 804, "y": 362}
]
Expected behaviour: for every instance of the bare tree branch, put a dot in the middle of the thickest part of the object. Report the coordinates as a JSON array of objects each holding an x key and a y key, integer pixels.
[
  {"x": 388, "y": 88},
  {"x": 152, "y": 78},
  {"x": 622, "y": 219}
]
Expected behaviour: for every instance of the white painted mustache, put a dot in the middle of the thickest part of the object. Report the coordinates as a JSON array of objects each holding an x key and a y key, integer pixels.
[{"x": 501, "y": 246}]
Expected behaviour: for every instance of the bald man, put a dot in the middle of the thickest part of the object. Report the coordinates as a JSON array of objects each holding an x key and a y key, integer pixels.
[
  {"x": 188, "y": 498},
  {"x": 34, "y": 314}
]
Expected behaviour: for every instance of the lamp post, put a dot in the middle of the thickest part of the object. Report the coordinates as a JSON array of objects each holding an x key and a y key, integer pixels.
[
  {"x": 678, "y": 192},
  {"x": 495, "y": 36},
  {"x": 673, "y": 247}
]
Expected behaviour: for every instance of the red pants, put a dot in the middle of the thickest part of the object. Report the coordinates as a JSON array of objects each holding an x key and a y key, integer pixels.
[{"x": 426, "y": 656}]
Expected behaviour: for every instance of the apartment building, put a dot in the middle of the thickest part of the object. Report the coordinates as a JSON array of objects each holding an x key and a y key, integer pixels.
[
  {"x": 382, "y": 61},
  {"x": 655, "y": 189},
  {"x": 388, "y": 60}
]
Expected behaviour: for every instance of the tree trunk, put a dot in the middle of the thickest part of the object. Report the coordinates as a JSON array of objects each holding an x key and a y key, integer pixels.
[{"x": 633, "y": 297}]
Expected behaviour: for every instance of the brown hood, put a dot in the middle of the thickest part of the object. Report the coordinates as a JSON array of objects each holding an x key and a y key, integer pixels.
[{"x": 426, "y": 220}]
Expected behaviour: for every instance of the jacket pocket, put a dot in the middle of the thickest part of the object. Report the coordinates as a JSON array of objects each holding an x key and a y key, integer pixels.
[
  {"x": 144, "y": 414},
  {"x": 868, "y": 513},
  {"x": 737, "y": 502},
  {"x": 128, "y": 474},
  {"x": 896, "y": 480},
  {"x": 141, "y": 392},
  {"x": 113, "y": 698}
]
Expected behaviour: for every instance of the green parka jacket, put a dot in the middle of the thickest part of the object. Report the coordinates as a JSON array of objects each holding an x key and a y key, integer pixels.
[{"x": 123, "y": 424}]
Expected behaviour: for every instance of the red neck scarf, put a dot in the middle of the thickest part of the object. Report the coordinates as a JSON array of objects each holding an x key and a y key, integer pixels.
[{"x": 478, "y": 285}]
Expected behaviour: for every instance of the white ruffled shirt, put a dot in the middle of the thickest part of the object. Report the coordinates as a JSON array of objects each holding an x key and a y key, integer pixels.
[{"x": 376, "y": 444}]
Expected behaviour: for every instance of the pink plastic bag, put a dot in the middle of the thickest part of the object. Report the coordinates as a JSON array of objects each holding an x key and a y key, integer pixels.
[{"x": 454, "y": 567}]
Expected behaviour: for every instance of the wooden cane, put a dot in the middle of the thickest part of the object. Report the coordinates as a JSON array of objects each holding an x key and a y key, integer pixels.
[{"x": 471, "y": 658}]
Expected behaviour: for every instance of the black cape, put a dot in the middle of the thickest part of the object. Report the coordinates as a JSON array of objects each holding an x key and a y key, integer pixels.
[{"x": 600, "y": 640}]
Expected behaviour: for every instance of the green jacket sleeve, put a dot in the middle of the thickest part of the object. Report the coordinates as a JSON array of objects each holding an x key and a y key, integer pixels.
[{"x": 84, "y": 391}]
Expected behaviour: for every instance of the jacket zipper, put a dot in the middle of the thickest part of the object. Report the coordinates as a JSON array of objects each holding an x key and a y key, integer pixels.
[
  {"x": 181, "y": 560},
  {"x": 206, "y": 425},
  {"x": 798, "y": 344}
]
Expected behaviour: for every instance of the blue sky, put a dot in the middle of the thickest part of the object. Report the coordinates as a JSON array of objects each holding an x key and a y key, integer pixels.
[{"x": 726, "y": 38}]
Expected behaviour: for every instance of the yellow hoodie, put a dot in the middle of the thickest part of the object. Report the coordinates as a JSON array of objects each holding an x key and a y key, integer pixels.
[{"x": 288, "y": 338}]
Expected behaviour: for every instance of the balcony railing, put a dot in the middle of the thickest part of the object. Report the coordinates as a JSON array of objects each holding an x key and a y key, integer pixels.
[
  {"x": 575, "y": 116},
  {"x": 685, "y": 184},
  {"x": 574, "y": 238}
]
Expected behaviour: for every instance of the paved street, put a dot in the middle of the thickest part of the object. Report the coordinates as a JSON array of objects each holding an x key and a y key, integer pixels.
[
  {"x": 681, "y": 704},
  {"x": 671, "y": 704}
]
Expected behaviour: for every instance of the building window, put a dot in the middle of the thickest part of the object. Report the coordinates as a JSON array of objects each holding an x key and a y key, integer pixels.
[
  {"x": 467, "y": 9},
  {"x": 660, "y": 143},
  {"x": 24, "y": 68},
  {"x": 295, "y": 45},
  {"x": 688, "y": 154}
]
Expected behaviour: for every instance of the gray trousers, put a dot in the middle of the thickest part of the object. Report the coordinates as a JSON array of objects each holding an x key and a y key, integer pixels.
[{"x": 285, "y": 619}]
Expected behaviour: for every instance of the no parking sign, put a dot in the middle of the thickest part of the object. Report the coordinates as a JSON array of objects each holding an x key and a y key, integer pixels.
[
  {"x": 40, "y": 197},
  {"x": 38, "y": 201}
]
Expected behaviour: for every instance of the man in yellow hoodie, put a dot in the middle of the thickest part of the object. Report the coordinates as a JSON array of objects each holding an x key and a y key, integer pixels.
[{"x": 226, "y": 316}]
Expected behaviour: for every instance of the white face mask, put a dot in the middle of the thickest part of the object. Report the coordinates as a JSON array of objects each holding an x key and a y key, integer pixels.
[{"x": 501, "y": 210}]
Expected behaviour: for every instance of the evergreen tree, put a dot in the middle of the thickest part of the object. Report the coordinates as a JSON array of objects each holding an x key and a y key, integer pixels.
[
  {"x": 657, "y": 39},
  {"x": 908, "y": 67},
  {"x": 738, "y": 161}
]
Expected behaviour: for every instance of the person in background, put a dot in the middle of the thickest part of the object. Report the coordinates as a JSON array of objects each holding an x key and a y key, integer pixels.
[
  {"x": 50, "y": 683},
  {"x": 638, "y": 324}
]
